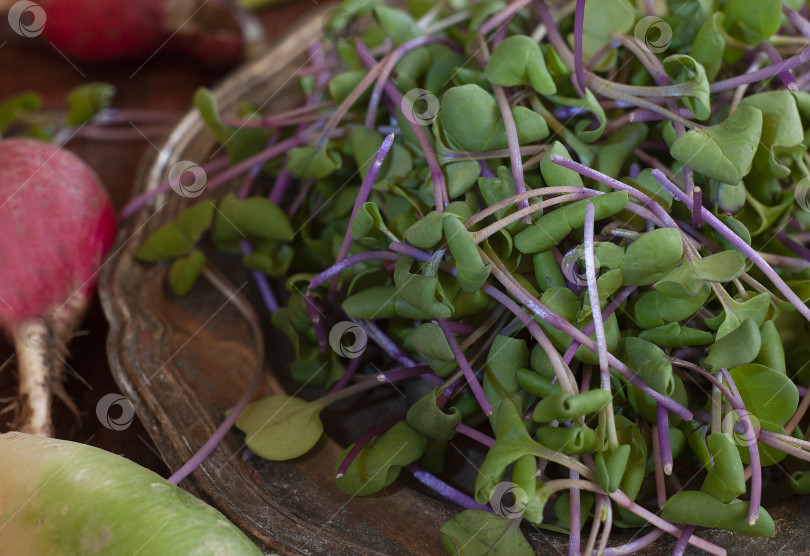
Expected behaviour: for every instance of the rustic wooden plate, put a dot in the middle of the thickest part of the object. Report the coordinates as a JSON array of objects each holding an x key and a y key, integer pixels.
[{"x": 183, "y": 361}]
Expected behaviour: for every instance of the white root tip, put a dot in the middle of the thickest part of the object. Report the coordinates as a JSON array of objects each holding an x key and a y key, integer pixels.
[{"x": 668, "y": 469}]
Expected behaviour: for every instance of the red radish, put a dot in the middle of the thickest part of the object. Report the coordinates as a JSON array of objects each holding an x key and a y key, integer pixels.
[
  {"x": 102, "y": 31},
  {"x": 214, "y": 32},
  {"x": 56, "y": 225}
]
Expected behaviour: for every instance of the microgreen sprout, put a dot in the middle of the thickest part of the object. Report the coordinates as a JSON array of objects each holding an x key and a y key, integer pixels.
[{"x": 445, "y": 174}]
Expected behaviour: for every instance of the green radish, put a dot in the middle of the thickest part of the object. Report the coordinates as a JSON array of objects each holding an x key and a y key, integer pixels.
[{"x": 63, "y": 498}]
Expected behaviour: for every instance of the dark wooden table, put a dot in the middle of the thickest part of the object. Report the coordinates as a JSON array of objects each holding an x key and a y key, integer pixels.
[{"x": 165, "y": 83}]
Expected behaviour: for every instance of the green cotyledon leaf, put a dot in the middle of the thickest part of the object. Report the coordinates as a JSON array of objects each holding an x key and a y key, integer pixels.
[
  {"x": 242, "y": 142},
  {"x": 423, "y": 292},
  {"x": 471, "y": 121},
  {"x": 726, "y": 478},
  {"x": 756, "y": 20},
  {"x": 781, "y": 125},
  {"x": 702, "y": 509},
  {"x": 512, "y": 441},
  {"x": 254, "y": 217},
  {"x": 651, "y": 256},
  {"x": 481, "y": 533},
  {"x": 85, "y": 101},
  {"x": 738, "y": 347},
  {"x": 612, "y": 155},
  {"x": 602, "y": 18},
  {"x": 589, "y": 103},
  {"x": 554, "y": 226},
  {"x": 429, "y": 340},
  {"x": 505, "y": 358},
  {"x": 313, "y": 161},
  {"x": 709, "y": 44},
  {"x": 654, "y": 308},
  {"x": 725, "y": 151},
  {"x": 555, "y": 175},
  {"x": 426, "y": 417},
  {"x": 566, "y": 406},
  {"x": 279, "y": 428},
  {"x": 379, "y": 463},
  {"x": 16, "y": 106},
  {"x": 177, "y": 238},
  {"x": 517, "y": 60},
  {"x": 184, "y": 272},
  {"x": 472, "y": 272},
  {"x": 689, "y": 74},
  {"x": 674, "y": 335}
]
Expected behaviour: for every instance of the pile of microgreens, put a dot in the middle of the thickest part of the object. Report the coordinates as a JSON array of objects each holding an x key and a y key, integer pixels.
[{"x": 577, "y": 230}]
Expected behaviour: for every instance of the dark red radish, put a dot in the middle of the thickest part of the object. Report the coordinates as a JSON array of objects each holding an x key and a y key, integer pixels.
[
  {"x": 213, "y": 32},
  {"x": 56, "y": 225},
  {"x": 103, "y": 31}
]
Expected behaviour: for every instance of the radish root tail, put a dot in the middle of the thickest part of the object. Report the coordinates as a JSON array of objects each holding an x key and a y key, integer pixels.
[{"x": 41, "y": 347}]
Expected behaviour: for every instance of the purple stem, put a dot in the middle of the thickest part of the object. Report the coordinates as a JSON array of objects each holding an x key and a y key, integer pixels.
[
  {"x": 793, "y": 245},
  {"x": 361, "y": 443},
  {"x": 662, "y": 418},
  {"x": 683, "y": 540},
  {"x": 303, "y": 191},
  {"x": 463, "y": 328},
  {"x": 753, "y": 451},
  {"x": 315, "y": 317},
  {"x": 785, "y": 76},
  {"x": 475, "y": 434},
  {"x": 593, "y": 294},
  {"x": 486, "y": 171},
  {"x": 514, "y": 146},
  {"x": 391, "y": 61},
  {"x": 635, "y": 545},
  {"x": 697, "y": 200},
  {"x": 644, "y": 115},
  {"x": 362, "y": 197},
  {"x": 800, "y": 23},
  {"x": 553, "y": 32},
  {"x": 502, "y": 17},
  {"x": 737, "y": 242},
  {"x": 439, "y": 486},
  {"x": 588, "y": 330},
  {"x": 324, "y": 276},
  {"x": 469, "y": 374},
  {"x": 574, "y": 516},
  {"x": 579, "y": 68},
  {"x": 387, "y": 345},
  {"x": 764, "y": 73},
  {"x": 439, "y": 186},
  {"x": 280, "y": 185},
  {"x": 348, "y": 374},
  {"x": 144, "y": 199},
  {"x": 403, "y": 373},
  {"x": 262, "y": 282}
]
